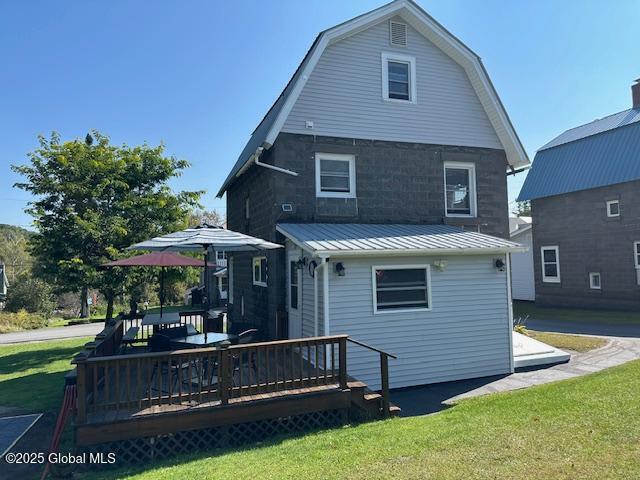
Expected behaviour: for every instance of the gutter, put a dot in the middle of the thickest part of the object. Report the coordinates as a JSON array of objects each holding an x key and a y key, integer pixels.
[{"x": 254, "y": 159}]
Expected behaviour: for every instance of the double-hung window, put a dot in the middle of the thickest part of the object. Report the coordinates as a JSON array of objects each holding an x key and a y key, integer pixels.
[
  {"x": 260, "y": 271},
  {"x": 550, "y": 260},
  {"x": 400, "y": 288},
  {"x": 398, "y": 78},
  {"x": 460, "y": 189},
  {"x": 335, "y": 175},
  {"x": 636, "y": 259},
  {"x": 594, "y": 281}
]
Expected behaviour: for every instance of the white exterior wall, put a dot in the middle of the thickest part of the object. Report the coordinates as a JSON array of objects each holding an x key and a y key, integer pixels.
[
  {"x": 343, "y": 96},
  {"x": 523, "y": 285},
  {"x": 467, "y": 333}
]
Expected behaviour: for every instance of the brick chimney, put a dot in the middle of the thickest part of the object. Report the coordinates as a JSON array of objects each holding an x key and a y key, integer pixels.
[{"x": 635, "y": 93}]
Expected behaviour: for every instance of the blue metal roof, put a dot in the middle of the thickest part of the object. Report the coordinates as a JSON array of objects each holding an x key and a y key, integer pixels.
[{"x": 604, "y": 158}]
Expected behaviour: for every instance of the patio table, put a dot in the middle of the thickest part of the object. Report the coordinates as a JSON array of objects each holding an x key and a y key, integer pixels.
[
  {"x": 168, "y": 318},
  {"x": 202, "y": 340}
]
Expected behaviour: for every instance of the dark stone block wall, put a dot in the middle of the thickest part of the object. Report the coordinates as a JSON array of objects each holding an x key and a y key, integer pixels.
[
  {"x": 395, "y": 183},
  {"x": 589, "y": 241}
]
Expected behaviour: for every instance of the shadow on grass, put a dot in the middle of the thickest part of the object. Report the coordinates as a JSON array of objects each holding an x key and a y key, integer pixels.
[
  {"x": 38, "y": 392},
  {"x": 22, "y": 361}
]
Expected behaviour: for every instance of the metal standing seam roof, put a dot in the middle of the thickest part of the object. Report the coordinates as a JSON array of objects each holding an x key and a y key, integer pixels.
[
  {"x": 606, "y": 158},
  {"x": 362, "y": 239}
]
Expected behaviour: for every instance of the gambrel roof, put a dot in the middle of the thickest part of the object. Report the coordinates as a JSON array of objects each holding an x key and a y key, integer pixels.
[{"x": 270, "y": 126}]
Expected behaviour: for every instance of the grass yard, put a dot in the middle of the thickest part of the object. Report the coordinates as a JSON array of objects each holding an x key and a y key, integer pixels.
[
  {"x": 582, "y": 428},
  {"x": 31, "y": 374},
  {"x": 577, "y": 343},
  {"x": 524, "y": 309}
]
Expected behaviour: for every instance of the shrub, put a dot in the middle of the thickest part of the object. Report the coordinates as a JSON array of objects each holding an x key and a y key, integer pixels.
[
  {"x": 20, "y": 320},
  {"x": 30, "y": 294}
]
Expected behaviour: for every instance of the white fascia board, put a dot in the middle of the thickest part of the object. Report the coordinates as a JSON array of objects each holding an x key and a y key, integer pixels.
[{"x": 461, "y": 54}]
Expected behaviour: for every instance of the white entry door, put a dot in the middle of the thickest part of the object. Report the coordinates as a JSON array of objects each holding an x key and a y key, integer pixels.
[{"x": 294, "y": 295}]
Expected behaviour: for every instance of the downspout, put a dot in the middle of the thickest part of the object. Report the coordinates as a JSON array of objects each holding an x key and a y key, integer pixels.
[
  {"x": 510, "y": 313},
  {"x": 255, "y": 158},
  {"x": 315, "y": 297}
]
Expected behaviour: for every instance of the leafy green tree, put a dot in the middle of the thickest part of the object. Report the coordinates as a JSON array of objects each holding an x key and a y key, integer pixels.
[
  {"x": 30, "y": 294},
  {"x": 93, "y": 200},
  {"x": 523, "y": 209},
  {"x": 14, "y": 252}
]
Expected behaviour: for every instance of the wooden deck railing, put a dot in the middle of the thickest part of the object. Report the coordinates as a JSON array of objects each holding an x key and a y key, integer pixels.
[
  {"x": 194, "y": 317},
  {"x": 209, "y": 376}
]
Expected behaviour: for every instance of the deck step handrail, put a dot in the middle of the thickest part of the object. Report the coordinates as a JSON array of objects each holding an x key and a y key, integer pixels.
[{"x": 384, "y": 374}]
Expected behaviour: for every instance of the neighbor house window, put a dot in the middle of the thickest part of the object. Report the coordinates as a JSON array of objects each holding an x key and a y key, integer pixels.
[
  {"x": 293, "y": 284},
  {"x": 260, "y": 271},
  {"x": 636, "y": 258},
  {"x": 335, "y": 175},
  {"x": 221, "y": 255},
  {"x": 230, "y": 274},
  {"x": 613, "y": 208},
  {"x": 246, "y": 208},
  {"x": 400, "y": 288},
  {"x": 398, "y": 78},
  {"x": 594, "y": 281},
  {"x": 550, "y": 264},
  {"x": 460, "y": 189}
]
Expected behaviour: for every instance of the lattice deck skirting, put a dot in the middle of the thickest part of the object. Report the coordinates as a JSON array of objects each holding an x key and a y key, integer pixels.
[{"x": 143, "y": 450}]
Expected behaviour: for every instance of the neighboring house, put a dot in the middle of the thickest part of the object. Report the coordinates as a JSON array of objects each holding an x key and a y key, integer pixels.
[
  {"x": 382, "y": 169},
  {"x": 584, "y": 188},
  {"x": 218, "y": 279},
  {"x": 4, "y": 283},
  {"x": 522, "y": 279}
]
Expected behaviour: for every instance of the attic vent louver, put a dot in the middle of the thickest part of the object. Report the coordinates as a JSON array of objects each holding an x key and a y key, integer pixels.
[{"x": 398, "y": 33}]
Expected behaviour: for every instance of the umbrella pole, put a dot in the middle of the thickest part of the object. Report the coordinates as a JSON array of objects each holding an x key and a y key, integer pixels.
[
  {"x": 161, "y": 290},
  {"x": 206, "y": 292}
]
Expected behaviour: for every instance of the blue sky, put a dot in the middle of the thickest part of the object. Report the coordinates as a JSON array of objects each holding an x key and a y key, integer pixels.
[{"x": 199, "y": 75}]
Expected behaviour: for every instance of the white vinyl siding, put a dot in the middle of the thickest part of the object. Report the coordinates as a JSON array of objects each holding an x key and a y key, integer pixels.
[
  {"x": 343, "y": 95},
  {"x": 466, "y": 334},
  {"x": 550, "y": 264},
  {"x": 522, "y": 272}
]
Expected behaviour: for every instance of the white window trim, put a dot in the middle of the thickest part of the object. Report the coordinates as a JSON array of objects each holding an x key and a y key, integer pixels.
[
  {"x": 591, "y": 284},
  {"x": 397, "y": 57},
  {"x": 253, "y": 270},
  {"x": 636, "y": 256},
  {"x": 352, "y": 175},
  {"x": 609, "y": 203},
  {"x": 292, "y": 272},
  {"x": 546, "y": 279},
  {"x": 427, "y": 267},
  {"x": 472, "y": 185}
]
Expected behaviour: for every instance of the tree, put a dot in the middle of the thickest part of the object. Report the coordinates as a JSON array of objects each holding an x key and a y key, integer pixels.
[
  {"x": 30, "y": 294},
  {"x": 210, "y": 217},
  {"x": 93, "y": 200},
  {"x": 523, "y": 209},
  {"x": 14, "y": 251}
]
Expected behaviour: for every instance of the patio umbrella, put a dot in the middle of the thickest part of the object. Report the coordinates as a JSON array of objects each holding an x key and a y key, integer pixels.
[
  {"x": 206, "y": 237},
  {"x": 158, "y": 259}
]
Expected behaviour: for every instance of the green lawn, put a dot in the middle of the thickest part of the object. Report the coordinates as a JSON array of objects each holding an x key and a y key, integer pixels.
[
  {"x": 523, "y": 309},
  {"x": 577, "y": 343},
  {"x": 32, "y": 374},
  {"x": 582, "y": 428}
]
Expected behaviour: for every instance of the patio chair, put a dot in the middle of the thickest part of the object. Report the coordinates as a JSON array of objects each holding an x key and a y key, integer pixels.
[
  {"x": 162, "y": 343},
  {"x": 248, "y": 336},
  {"x": 175, "y": 332}
]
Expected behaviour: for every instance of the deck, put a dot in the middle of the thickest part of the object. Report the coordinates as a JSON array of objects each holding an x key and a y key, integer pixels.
[{"x": 140, "y": 395}]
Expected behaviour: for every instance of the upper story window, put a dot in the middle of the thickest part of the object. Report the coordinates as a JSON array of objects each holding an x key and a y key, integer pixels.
[
  {"x": 398, "y": 78},
  {"x": 221, "y": 255},
  {"x": 613, "y": 208},
  {"x": 460, "y": 189},
  {"x": 246, "y": 208},
  {"x": 550, "y": 261},
  {"x": 335, "y": 175},
  {"x": 636, "y": 253},
  {"x": 594, "y": 281},
  {"x": 401, "y": 288},
  {"x": 260, "y": 271}
]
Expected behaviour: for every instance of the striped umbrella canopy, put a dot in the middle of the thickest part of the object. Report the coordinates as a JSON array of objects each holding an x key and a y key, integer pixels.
[{"x": 205, "y": 237}]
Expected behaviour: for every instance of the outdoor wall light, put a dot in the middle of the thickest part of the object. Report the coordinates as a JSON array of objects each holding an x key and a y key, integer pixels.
[
  {"x": 340, "y": 269},
  {"x": 302, "y": 261},
  {"x": 499, "y": 264},
  {"x": 440, "y": 265}
]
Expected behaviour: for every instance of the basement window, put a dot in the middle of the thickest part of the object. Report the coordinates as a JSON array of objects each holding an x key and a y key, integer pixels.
[
  {"x": 398, "y": 78},
  {"x": 613, "y": 208},
  {"x": 260, "y": 271},
  {"x": 401, "y": 288},
  {"x": 550, "y": 264},
  {"x": 594, "y": 281}
]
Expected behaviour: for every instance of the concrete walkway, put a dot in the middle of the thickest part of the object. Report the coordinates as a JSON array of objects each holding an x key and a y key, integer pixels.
[
  {"x": 433, "y": 398},
  {"x": 585, "y": 328},
  {"x": 58, "y": 333}
]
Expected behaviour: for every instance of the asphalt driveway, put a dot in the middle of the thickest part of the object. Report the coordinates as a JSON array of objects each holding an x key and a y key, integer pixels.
[
  {"x": 58, "y": 333},
  {"x": 585, "y": 328}
]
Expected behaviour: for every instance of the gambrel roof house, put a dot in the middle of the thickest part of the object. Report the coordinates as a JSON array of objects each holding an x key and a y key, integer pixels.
[
  {"x": 584, "y": 188},
  {"x": 382, "y": 168}
]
